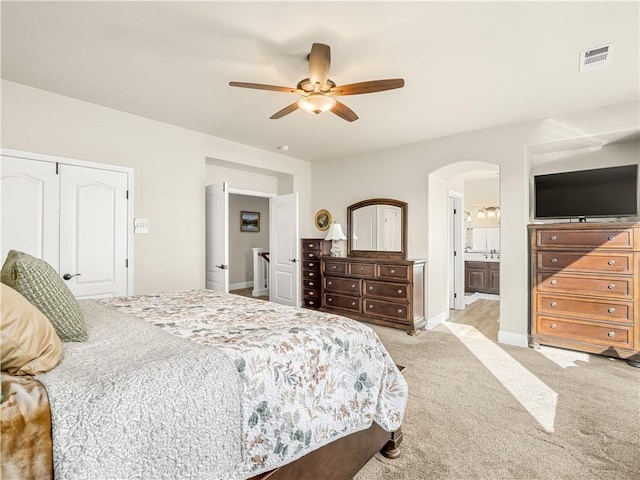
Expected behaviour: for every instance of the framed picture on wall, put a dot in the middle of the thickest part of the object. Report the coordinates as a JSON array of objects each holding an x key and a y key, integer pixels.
[{"x": 249, "y": 221}]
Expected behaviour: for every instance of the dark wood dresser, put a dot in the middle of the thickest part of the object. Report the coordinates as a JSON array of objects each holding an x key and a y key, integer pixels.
[
  {"x": 312, "y": 250},
  {"x": 585, "y": 287},
  {"x": 385, "y": 291}
]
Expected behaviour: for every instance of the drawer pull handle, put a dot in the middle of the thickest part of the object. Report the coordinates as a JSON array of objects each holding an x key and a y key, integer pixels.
[
  {"x": 553, "y": 304},
  {"x": 311, "y": 255},
  {"x": 333, "y": 266},
  {"x": 611, "y": 286},
  {"x": 610, "y": 237},
  {"x": 400, "y": 291},
  {"x": 554, "y": 237},
  {"x": 311, "y": 274},
  {"x": 311, "y": 293},
  {"x": 330, "y": 299},
  {"x": 553, "y": 325},
  {"x": 553, "y": 282},
  {"x": 362, "y": 269},
  {"x": 399, "y": 310},
  {"x": 329, "y": 282},
  {"x": 311, "y": 302},
  {"x": 371, "y": 287},
  {"x": 353, "y": 285},
  {"x": 393, "y": 271},
  {"x": 611, "y": 262},
  {"x": 611, "y": 309},
  {"x": 311, "y": 284},
  {"x": 554, "y": 260},
  {"x": 353, "y": 304},
  {"x": 311, "y": 264},
  {"x": 311, "y": 245},
  {"x": 370, "y": 306},
  {"x": 611, "y": 334}
]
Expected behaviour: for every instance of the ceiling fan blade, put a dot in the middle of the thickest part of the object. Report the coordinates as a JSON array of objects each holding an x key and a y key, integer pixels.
[
  {"x": 285, "y": 111},
  {"x": 367, "y": 87},
  {"x": 261, "y": 86},
  {"x": 319, "y": 64},
  {"x": 344, "y": 112}
]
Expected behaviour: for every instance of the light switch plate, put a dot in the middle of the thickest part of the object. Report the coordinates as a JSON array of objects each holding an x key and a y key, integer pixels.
[{"x": 141, "y": 225}]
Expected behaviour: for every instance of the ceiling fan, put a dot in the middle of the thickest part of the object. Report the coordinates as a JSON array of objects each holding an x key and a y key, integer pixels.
[{"x": 319, "y": 92}]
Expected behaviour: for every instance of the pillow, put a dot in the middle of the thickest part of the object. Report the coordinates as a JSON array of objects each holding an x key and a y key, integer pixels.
[
  {"x": 41, "y": 285},
  {"x": 28, "y": 342}
]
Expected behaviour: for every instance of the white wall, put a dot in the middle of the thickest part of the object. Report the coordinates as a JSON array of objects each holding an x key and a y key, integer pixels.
[
  {"x": 241, "y": 243},
  {"x": 169, "y": 165},
  {"x": 437, "y": 283},
  {"x": 403, "y": 173}
]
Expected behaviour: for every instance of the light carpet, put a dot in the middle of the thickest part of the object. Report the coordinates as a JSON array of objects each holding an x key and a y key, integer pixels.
[{"x": 465, "y": 422}]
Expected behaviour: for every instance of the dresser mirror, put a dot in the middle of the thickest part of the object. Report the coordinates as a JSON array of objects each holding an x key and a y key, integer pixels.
[{"x": 377, "y": 228}]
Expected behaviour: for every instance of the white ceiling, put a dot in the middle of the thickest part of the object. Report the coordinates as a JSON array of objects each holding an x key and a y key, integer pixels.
[{"x": 467, "y": 65}]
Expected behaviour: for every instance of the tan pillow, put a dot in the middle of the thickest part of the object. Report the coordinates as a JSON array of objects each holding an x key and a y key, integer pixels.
[{"x": 28, "y": 342}]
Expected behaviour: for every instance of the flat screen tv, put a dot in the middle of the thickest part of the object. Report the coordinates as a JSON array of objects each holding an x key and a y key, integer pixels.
[{"x": 602, "y": 192}]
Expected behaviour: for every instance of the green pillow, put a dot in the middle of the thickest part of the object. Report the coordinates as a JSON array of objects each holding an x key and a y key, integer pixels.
[{"x": 39, "y": 283}]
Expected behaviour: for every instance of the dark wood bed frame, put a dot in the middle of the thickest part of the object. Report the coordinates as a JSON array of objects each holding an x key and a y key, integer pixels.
[{"x": 340, "y": 460}]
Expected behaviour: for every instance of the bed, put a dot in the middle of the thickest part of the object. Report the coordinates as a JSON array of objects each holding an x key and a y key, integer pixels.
[{"x": 202, "y": 384}]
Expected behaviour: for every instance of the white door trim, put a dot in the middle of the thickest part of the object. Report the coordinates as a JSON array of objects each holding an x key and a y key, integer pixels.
[{"x": 102, "y": 166}]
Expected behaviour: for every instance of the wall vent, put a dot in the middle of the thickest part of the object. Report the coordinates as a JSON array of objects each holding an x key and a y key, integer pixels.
[{"x": 597, "y": 57}]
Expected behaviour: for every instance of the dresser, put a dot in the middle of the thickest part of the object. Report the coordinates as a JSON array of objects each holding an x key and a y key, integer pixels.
[
  {"x": 312, "y": 250},
  {"x": 384, "y": 291},
  {"x": 585, "y": 287}
]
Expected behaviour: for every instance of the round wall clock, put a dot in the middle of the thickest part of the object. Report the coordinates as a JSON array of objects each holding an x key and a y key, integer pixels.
[{"x": 323, "y": 220}]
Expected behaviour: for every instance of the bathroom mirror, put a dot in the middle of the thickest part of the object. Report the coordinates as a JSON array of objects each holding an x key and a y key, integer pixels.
[{"x": 377, "y": 228}]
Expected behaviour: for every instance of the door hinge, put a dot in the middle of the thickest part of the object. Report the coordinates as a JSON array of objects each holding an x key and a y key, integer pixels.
[
  {"x": 57, "y": 168},
  {"x": 127, "y": 194},
  {"x": 455, "y": 254},
  {"x": 126, "y": 263},
  {"x": 455, "y": 295},
  {"x": 455, "y": 211}
]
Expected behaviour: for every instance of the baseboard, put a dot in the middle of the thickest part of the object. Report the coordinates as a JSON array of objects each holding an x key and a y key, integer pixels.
[
  {"x": 433, "y": 322},
  {"x": 240, "y": 285},
  {"x": 515, "y": 339},
  {"x": 260, "y": 293},
  {"x": 469, "y": 299}
]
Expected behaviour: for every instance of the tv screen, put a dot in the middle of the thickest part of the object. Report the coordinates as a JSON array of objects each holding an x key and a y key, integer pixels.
[{"x": 603, "y": 192}]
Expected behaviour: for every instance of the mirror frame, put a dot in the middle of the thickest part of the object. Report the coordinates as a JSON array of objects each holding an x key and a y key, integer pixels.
[{"x": 377, "y": 253}]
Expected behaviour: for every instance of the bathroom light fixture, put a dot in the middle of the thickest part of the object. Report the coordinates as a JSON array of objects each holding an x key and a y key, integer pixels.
[
  {"x": 316, "y": 103},
  {"x": 489, "y": 212},
  {"x": 335, "y": 233},
  {"x": 467, "y": 216}
]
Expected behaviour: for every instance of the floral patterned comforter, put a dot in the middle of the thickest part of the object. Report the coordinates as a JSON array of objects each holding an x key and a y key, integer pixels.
[{"x": 309, "y": 378}]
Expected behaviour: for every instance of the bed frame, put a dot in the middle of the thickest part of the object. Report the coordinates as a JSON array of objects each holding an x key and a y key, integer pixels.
[{"x": 342, "y": 459}]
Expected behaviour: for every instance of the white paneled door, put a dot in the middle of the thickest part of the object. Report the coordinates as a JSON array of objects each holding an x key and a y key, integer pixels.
[
  {"x": 30, "y": 221},
  {"x": 217, "y": 237},
  {"x": 284, "y": 247},
  {"x": 93, "y": 231}
]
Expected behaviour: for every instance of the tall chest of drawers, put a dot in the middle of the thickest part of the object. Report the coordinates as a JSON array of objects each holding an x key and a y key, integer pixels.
[
  {"x": 585, "y": 287},
  {"x": 386, "y": 292},
  {"x": 312, "y": 249}
]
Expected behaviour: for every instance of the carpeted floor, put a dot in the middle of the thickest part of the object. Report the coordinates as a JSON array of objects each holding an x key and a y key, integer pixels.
[{"x": 463, "y": 423}]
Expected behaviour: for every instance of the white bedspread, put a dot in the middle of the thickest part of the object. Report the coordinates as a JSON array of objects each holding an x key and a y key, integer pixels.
[{"x": 308, "y": 378}]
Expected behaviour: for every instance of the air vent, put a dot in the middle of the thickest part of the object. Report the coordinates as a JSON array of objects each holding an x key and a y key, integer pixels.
[{"x": 596, "y": 57}]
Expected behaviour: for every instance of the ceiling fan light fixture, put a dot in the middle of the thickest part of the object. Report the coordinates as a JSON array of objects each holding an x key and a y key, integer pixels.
[{"x": 316, "y": 103}]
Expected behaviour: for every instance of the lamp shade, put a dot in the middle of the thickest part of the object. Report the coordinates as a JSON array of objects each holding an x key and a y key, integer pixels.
[
  {"x": 316, "y": 103},
  {"x": 335, "y": 232}
]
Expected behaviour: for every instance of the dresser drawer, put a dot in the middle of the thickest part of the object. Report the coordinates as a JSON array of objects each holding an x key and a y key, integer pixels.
[
  {"x": 393, "y": 272},
  {"x": 583, "y": 262},
  {"x": 334, "y": 267},
  {"x": 312, "y": 303},
  {"x": 342, "y": 285},
  {"x": 601, "y": 238},
  {"x": 604, "y": 286},
  {"x": 362, "y": 269},
  {"x": 395, "y": 291},
  {"x": 352, "y": 304},
  {"x": 311, "y": 264},
  {"x": 312, "y": 244},
  {"x": 311, "y": 255},
  {"x": 311, "y": 293},
  {"x": 590, "y": 332},
  {"x": 310, "y": 274},
  {"x": 311, "y": 283},
  {"x": 379, "y": 308},
  {"x": 608, "y": 310}
]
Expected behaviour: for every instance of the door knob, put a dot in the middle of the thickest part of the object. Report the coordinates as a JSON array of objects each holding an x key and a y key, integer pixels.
[
  {"x": 68, "y": 276},
  {"x": 222, "y": 267},
  {"x": 293, "y": 260}
]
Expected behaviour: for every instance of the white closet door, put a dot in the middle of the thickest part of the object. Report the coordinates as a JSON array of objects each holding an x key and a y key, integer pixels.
[
  {"x": 30, "y": 221},
  {"x": 217, "y": 237},
  {"x": 93, "y": 231}
]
